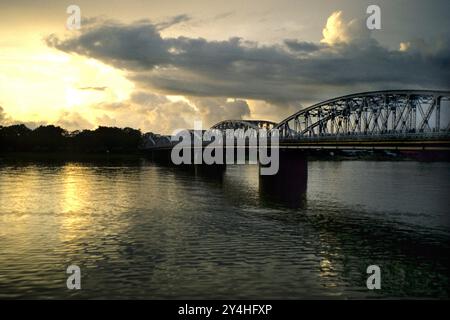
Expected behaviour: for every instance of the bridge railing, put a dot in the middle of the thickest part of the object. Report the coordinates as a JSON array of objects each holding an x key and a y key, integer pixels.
[{"x": 373, "y": 137}]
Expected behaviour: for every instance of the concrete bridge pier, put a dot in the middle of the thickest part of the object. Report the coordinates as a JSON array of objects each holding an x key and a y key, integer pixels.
[{"x": 288, "y": 186}]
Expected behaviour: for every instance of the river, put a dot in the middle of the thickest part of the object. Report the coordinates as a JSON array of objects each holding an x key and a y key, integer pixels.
[{"x": 140, "y": 230}]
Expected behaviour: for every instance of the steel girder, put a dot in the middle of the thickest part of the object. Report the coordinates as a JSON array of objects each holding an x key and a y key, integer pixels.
[
  {"x": 244, "y": 124},
  {"x": 396, "y": 112}
]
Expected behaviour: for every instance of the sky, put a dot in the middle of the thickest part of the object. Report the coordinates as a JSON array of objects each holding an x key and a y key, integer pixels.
[{"x": 160, "y": 65}]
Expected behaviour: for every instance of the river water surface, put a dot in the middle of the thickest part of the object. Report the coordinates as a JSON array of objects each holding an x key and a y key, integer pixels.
[{"x": 140, "y": 230}]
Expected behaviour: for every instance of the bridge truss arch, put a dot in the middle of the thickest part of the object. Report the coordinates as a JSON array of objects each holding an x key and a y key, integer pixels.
[
  {"x": 244, "y": 124},
  {"x": 243, "y": 128},
  {"x": 393, "y": 113}
]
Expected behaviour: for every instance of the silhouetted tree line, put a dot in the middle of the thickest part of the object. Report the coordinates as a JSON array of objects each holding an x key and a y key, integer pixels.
[{"x": 19, "y": 138}]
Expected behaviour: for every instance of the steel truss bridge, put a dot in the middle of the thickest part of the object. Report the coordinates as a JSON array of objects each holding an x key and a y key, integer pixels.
[
  {"x": 244, "y": 124},
  {"x": 393, "y": 119},
  {"x": 396, "y": 119}
]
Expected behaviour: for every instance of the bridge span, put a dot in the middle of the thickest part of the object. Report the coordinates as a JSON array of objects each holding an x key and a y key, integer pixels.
[
  {"x": 395, "y": 119},
  {"x": 416, "y": 120},
  {"x": 386, "y": 120}
]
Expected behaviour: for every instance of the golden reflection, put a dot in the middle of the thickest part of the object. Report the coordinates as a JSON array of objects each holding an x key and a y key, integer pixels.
[
  {"x": 76, "y": 189},
  {"x": 80, "y": 202},
  {"x": 327, "y": 273},
  {"x": 73, "y": 187},
  {"x": 329, "y": 254},
  {"x": 326, "y": 268}
]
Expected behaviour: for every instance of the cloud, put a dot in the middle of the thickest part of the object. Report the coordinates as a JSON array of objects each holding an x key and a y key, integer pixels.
[
  {"x": 263, "y": 110},
  {"x": 172, "y": 21},
  {"x": 111, "y": 106},
  {"x": 347, "y": 60},
  {"x": 148, "y": 112},
  {"x": 73, "y": 121},
  {"x": 236, "y": 78},
  {"x": 438, "y": 49},
  {"x": 7, "y": 120},
  {"x": 4, "y": 119},
  {"x": 131, "y": 46},
  {"x": 94, "y": 88},
  {"x": 107, "y": 121},
  {"x": 338, "y": 31},
  {"x": 301, "y": 46},
  {"x": 224, "y": 15},
  {"x": 214, "y": 110},
  {"x": 157, "y": 113}
]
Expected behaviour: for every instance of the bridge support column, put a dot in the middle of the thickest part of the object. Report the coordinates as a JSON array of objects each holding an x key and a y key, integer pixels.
[{"x": 289, "y": 184}]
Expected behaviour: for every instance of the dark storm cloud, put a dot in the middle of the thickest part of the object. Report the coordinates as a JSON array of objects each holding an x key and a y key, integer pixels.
[
  {"x": 133, "y": 46},
  {"x": 301, "y": 46},
  {"x": 236, "y": 68}
]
